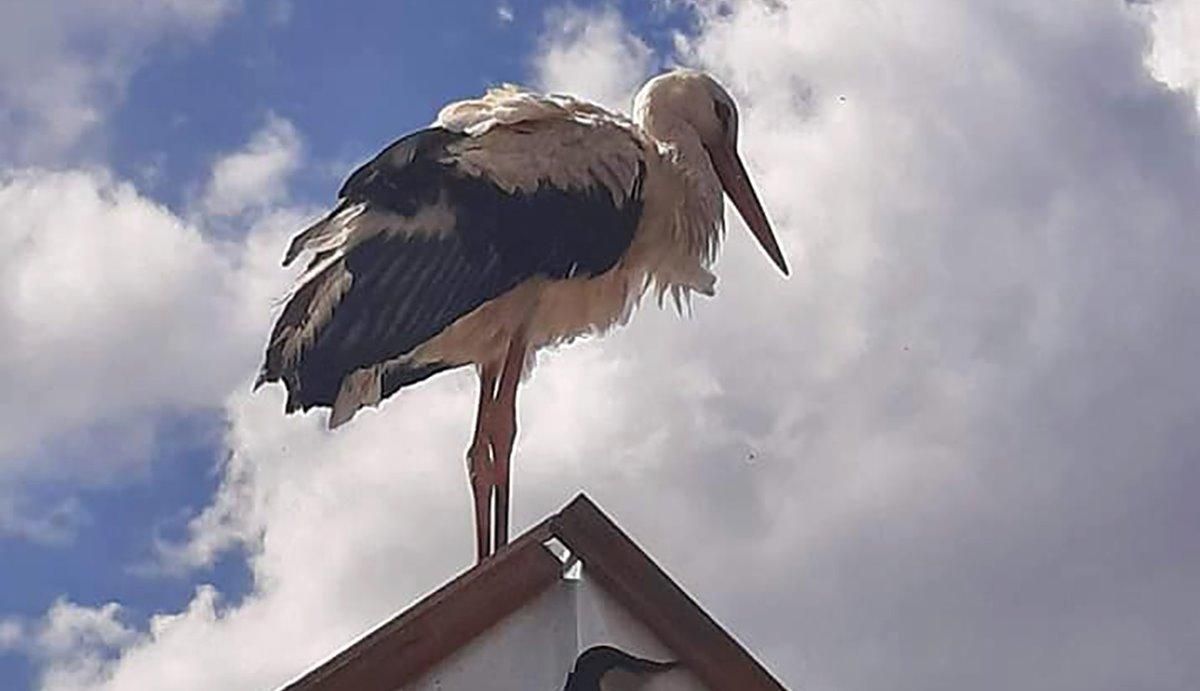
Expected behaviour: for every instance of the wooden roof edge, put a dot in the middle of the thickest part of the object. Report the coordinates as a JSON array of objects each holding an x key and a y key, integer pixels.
[
  {"x": 407, "y": 645},
  {"x": 615, "y": 561}
]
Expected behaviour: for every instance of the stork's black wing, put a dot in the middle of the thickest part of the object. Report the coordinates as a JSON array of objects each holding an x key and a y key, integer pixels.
[{"x": 428, "y": 231}]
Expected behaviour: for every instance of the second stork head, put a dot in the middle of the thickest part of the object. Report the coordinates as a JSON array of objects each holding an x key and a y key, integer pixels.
[{"x": 685, "y": 104}]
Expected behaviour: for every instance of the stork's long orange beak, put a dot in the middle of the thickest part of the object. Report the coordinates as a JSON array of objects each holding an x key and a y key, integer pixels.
[{"x": 737, "y": 185}]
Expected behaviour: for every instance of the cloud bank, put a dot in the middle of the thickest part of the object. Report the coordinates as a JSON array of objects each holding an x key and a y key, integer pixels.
[
  {"x": 111, "y": 302},
  {"x": 592, "y": 54}
]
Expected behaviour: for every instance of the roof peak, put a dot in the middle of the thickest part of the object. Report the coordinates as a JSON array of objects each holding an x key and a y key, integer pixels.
[{"x": 418, "y": 639}]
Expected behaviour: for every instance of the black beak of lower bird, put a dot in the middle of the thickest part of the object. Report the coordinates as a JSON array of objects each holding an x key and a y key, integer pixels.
[{"x": 596, "y": 662}]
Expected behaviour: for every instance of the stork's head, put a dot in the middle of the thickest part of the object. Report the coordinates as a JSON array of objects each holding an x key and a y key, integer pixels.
[{"x": 694, "y": 101}]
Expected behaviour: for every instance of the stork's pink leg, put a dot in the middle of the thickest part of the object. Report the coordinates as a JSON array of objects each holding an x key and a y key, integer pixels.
[
  {"x": 503, "y": 427},
  {"x": 479, "y": 461}
]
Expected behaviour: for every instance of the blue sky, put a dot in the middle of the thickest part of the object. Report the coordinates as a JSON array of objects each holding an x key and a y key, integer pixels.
[
  {"x": 385, "y": 68},
  {"x": 954, "y": 449}
]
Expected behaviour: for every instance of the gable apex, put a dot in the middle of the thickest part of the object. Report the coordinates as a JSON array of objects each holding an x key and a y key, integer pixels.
[{"x": 473, "y": 606}]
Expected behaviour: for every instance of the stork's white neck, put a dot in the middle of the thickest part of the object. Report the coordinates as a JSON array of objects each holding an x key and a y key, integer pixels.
[
  {"x": 682, "y": 113},
  {"x": 660, "y": 109},
  {"x": 684, "y": 210}
]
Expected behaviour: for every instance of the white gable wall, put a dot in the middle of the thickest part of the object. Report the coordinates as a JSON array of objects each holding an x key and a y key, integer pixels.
[
  {"x": 602, "y": 621},
  {"x": 535, "y": 647},
  {"x": 529, "y": 650}
]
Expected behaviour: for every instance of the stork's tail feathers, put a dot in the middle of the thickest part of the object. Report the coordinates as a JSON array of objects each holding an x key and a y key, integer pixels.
[
  {"x": 308, "y": 309},
  {"x": 322, "y": 382}
]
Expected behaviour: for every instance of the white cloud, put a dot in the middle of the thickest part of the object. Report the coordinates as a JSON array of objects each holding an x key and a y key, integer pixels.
[
  {"x": 956, "y": 448},
  {"x": 109, "y": 299},
  {"x": 118, "y": 311},
  {"x": 592, "y": 54},
  {"x": 12, "y": 633},
  {"x": 504, "y": 12},
  {"x": 255, "y": 177},
  {"x": 76, "y": 642},
  {"x": 48, "y": 525},
  {"x": 1175, "y": 49},
  {"x": 64, "y": 65},
  {"x": 72, "y": 641},
  {"x": 68, "y": 628}
]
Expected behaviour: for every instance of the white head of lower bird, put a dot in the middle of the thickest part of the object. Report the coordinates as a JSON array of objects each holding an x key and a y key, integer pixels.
[{"x": 691, "y": 105}]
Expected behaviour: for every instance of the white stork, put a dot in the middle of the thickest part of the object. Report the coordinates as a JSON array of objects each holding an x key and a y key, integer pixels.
[{"x": 514, "y": 222}]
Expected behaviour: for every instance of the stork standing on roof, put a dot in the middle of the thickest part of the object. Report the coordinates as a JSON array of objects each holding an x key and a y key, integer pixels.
[{"x": 515, "y": 222}]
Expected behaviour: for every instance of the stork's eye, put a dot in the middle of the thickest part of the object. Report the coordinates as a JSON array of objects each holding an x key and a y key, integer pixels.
[{"x": 724, "y": 114}]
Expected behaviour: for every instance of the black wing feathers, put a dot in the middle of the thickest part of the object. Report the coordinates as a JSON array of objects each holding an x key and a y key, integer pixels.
[{"x": 393, "y": 178}]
